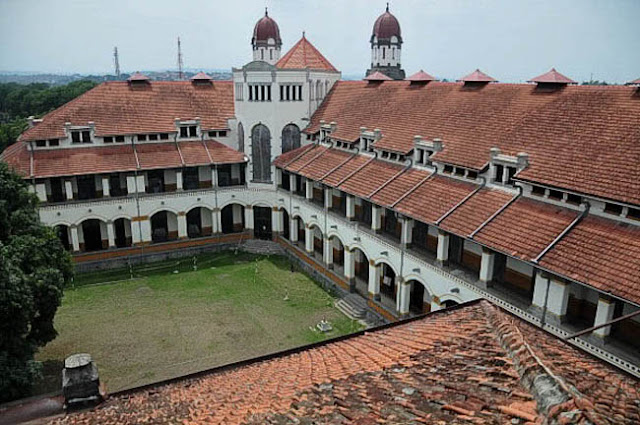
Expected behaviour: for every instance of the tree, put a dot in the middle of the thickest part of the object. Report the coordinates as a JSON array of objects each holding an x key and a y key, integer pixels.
[{"x": 34, "y": 268}]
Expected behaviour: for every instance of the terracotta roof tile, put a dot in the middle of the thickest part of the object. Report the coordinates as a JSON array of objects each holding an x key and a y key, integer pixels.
[
  {"x": 344, "y": 171},
  {"x": 553, "y": 77},
  {"x": 475, "y": 211},
  {"x": 304, "y": 55},
  {"x": 78, "y": 161},
  {"x": 377, "y": 76},
  {"x": 369, "y": 178},
  {"x": 421, "y": 76},
  {"x": 477, "y": 76},
  {"x": 287, "y": 157},
  {"x": 525, "y": 228},
  {"x": 454, "y": 366},
  {"x": 582, "y": 138},
  {"x": 601, "y": 253},
  {"x": 399, "y": 186},
  {"x": 324, "y": 164}
]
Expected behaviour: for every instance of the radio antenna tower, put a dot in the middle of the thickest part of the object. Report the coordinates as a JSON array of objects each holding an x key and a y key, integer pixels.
[
  {"x": 180, "y": 61},
  {"x": 116, "y": 61}
]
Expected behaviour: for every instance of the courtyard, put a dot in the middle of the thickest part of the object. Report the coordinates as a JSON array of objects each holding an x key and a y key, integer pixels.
[{"x": 164, "y": 320}]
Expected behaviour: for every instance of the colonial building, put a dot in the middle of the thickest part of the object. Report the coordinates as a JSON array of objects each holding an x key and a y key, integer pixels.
[{"x": 416, "y": 194}]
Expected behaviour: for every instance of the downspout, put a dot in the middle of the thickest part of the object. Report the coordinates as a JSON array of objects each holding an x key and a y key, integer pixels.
[
  {"x": 137, "y": 196},
  {"x": 573, "y": 224}
]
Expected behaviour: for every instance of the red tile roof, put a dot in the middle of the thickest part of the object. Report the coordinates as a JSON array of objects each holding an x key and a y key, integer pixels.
[
  {"x": 601, "y": 252},
  {"x": 304, "y": 55},
  {"x": 553, "y": 77},
  {"x": 525, "y": 228},
  {"x": 386, "y": 26},
  {"x": 118, "y": 109},
  {"x": 634, "y": 82},
  {"x": 475, "y": 211},
  {"x": 477, "y": 76},
  {"x": 201, "y": 76},
  {"x": 377, "y": 76},
  {"x": 473, "y": 364},
  {"x": 138, "y": 77},
  {"x": 395, "y": 189},
  {"x": 370, "y": 178},
  {"x": 571, "y": 138},
  {"x": 421, "y": 76}
]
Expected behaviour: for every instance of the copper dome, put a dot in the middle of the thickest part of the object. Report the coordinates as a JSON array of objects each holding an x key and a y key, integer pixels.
[
  {"x": 265, "y": 29},
  {"x": 386, "y": 26}
]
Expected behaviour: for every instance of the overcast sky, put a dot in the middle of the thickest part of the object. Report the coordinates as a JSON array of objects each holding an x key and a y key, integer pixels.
[{"x": 512, "y": 40}]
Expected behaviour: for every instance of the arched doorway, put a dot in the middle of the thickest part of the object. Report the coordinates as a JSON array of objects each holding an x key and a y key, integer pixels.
[
  {"x": 262, "y": 225},
  {"x": 337, "y": 254},
  {"x": 300, "y": 227},
  {"x": 122, "y": 229},
  {"x": 232, "y": 218},
  {"x": 419, "y": 298},
  {"x": 62, "y": 231},
  {"x": 317, "y": 242},
  {"x": 261, "y": 153},
  {"x": 361, "y": 271},
  {"x": 91, "y": 238},
  {"x": 388, "y": 290},
  {"x": 164, "y": 227},
  {"x": 290, "y": 137},
  {"x": 286, "y": 230},
  {"x": 199, "y": 222},
  {"x": 240, "y": 137}
]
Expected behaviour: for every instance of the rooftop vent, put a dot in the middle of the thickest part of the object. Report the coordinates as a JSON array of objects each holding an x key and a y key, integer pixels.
[
  {"x": 420, "y": 78},
  {"x": 201, "y": 79},
  {"x": 552, "y": 80},
  {"x": 377, "y": 78},
  {"x": 139, "y": 80},
  {"x": 477, "y": 79}
]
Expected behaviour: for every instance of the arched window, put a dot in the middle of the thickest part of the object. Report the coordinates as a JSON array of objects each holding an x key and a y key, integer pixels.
[
  {"x": 240, "y": 137},
  {"x": 290, "y": 137},
  {"x": 312, "y": 95},
  {"x": 261, "y": 153},
  {"x": 326, "y": 87},
  {"x": 318, "y": 90}
]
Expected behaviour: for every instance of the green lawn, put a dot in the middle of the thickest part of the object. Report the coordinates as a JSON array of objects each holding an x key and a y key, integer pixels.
[{"x": 235, "y": 307}]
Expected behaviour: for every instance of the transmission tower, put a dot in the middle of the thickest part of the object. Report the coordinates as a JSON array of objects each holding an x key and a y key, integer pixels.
[
  {"x": 180, "y": 61},
  {"x": 116, "y": 61}
]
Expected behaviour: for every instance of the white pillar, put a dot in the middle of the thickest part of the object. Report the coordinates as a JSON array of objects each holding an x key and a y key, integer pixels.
[
  {"x": 376, "y": 218},
  {"x": 75, "y": 240},
  {"x": 214, "y": 176},
  {"x": 539, "y": 289},
  {"x": 178, "y": 179},
  {"x": 106, "y": 188},
  {"x": 292, "y": 183},
  {"x": 131, "y": 184},
  {"x": 111, "y": 234},
  {"x": 68, "y": 188},
  {"x": 308, "y": 239},
  {"x": 41, "y": 191},
  {"x": 558, "y": 298},
  {"x": 604, "y": 314},
  {"x": 182, "y": 225},
  {"x": 140, "y": 230},
  {"x": 248, "y": 217},
  {"x": 328, "y": 252},
  {"x": 349, "y": 265},
  {"x": 309, "y": 189},
  {"x": 216, "y": 221},
  {"x": 276, "y": 218},
  {"x": 404, "y": 295},
  {"x": 141, "y": 184},
  {"x": 443, "y": 247},
  {"x": 278, "y": 181},
  {"x": 487, "y": 265},
  {"x": 407, "y": 232},
  {"x": 351, "y": 207},
  {"x": 374, "y": 280},
  {"x": 328, "y": 197},
  {"x": 293, "y": 230}
]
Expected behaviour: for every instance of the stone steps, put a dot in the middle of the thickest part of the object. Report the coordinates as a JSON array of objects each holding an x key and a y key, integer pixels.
[
  {"x": 353, "y": 306},
  {"x": 262, "y": 247}
]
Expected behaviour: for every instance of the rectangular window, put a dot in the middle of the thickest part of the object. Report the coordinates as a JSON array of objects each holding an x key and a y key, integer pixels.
[
  {"x": 472, "y": 175},
  {"x": 614, "y": 209},
  {"x": 574, "y": 199},
  {"x": 448, "y": 169},
  {"x": 268, "y": 93},
  {"x": 108, "y": 139},
  {"x": 86, "y": 136},
  {"x": 459, "y": 171},
  {"x": 556, "y": 195},
  {"x": 499, "y": 170},
  {"x": 153, "y": 137},
  {"x": 634, "y": 213},
  {"x": 281, "y": 92},
  {"x": 250, "y": 93},
  {"x": 41, "y": 143},
  {"x": 193, "y": 131},
  {"x": 75, "y": 137},
  {"x": 119, "y": 139},
  {"x": 213, "y": 134},
  {"x": 164, "y": 136},
  {"x": 142, "y": 137},
  {"x": 239, "y": 91},
  {"x": 54, "y": 142},
  {"x": 184, "y": 132},
  {"x": 537, "y": 190},
  {"x": 511, "y": 171},
  {"x": 222, "y": 134}
]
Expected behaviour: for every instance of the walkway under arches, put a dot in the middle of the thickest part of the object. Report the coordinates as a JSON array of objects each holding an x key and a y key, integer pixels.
[
  {"x": 164, "y": 226},
  {"x": 232, "y": 217}
]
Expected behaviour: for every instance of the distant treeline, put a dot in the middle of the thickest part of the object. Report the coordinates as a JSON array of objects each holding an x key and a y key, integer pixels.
[{"x": 19, "y": 101}]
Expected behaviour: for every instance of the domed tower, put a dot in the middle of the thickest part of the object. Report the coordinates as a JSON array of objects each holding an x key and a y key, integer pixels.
[
  {"x": 386, "y": 46},
  {"x": 266, "y": 40}
]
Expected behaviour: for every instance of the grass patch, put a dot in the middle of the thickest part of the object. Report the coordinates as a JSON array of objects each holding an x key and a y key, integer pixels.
[{"x": 164, "y": 324}]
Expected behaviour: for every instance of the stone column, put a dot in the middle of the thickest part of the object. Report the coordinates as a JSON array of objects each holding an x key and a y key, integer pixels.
[
  {"x": 292, "y": 183},
  {"x": 179, "y": 180},
  {"x": 111, "y": 234},
  {"x": 248, "y": 218},
  {"x": 374, "y": 280},
  {"x": 68, "y": 188},
  {"x": 75, "y": 239},
  {"x": 443, "y": 247},
  {"x": 131, "y": 184},
  {"x": 487, "y": 266},
  {"x": 276, "y": 219},
  {"x": 293, "y": 230},
  {"x": 558, "y": 299},
  {"x": 141, "y": 230},
  {"x": 309, "y": 189},
  {"x": 142, "y": 188},
  {"x": 328, "y": 252},
  {"x": 328, "y": 197},
  {"x": 216, "y": 221},
  {"x": 351, "y": 207},
  {"x": 308, "y": 239},
  {"x": 106, "y": 188},
  {"x": 407, "y": 232},
  {"x": 182, "y": 225},
  {"x": 376, "y": 218},
  {"x": 349, "y": 267},
  {"x": 404, "y": 296},
  {"x": 604, "y": 314},
  {"x": 214, "y": 176},
  {"x": 278, "y": 177}
]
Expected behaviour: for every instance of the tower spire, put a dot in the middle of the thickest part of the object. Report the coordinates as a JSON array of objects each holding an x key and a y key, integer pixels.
[
  {"x": 180, "y": 61},
  {"x": 387, "y": 6},
  {"x": 116, "y": 61},
  {"x": 266, "y": 11}
]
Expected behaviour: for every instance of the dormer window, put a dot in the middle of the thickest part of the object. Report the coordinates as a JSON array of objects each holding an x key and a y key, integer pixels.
[
  {"x": 142, "y": 137},
  {"x": 574, "y": 199},
  {"x": 505, "y": 167},
  {"x": 153, "y": 137},
  {"x": 187, "y": 131},
  {"x": 538, "y": 191},
  {"x": 613, "y": 209},
  {"x": 80, "y": 136}
]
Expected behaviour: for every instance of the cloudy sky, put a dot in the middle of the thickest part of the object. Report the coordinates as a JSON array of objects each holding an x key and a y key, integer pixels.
[{"x": 511, "y": 40}]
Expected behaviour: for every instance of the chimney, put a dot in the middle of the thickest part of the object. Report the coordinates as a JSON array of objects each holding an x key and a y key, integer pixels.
[
  {"x": 523, "y": 160},
  {"x": 377, "y": 134},
  {"x": 437, "y": 144},
  {"x": 494, "y": 152}
]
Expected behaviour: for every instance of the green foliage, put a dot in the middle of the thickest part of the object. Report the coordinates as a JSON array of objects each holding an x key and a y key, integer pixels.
[
  {"x": 595, "y": 83},
  {"x": 34, "y": 268},
  {"x": 18, "y": 101}
]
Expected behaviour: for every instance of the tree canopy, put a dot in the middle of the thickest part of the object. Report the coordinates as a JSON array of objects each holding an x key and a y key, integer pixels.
[{"x": 34, "y": 268}]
